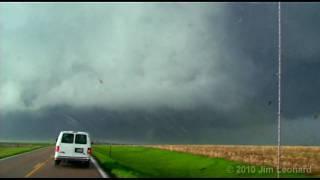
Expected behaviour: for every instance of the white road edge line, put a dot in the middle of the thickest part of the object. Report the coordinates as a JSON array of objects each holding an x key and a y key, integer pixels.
[
  {"x": 101, "y": 171},
  {"x": 21, "y": 154}
]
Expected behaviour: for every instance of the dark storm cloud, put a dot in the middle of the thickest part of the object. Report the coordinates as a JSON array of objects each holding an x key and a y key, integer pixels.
[
  {"x": 163, "y": 78},
  {"x": 301, "y": 64},
  {"x": 120, "y": 56},
  {"x": 301, "y": 24},
  {"x": 143, "y": 73}
]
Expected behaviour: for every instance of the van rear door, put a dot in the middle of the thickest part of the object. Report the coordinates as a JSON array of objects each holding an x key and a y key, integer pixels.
[
  {"x": 81, "y": 145},
  {"x": 66, "y": 145}
]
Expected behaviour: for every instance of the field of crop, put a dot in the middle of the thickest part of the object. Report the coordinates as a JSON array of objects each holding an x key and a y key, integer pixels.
[
  {"x": 306, "y": 158},
  {"x": 137, "y": 161},
  {"x": 10, "y": 149}
]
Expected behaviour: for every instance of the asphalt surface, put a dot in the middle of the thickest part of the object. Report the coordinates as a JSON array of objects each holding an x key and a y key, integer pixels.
[{"x": 40, "y": 163}]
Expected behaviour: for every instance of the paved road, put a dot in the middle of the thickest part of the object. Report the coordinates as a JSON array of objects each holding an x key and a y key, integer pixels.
[{"x": 40, "y": 163}]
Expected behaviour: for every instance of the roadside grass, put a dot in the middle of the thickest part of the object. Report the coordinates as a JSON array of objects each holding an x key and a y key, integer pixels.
[
  {"x": 142, "y": 162},
  {"x": 11, "y": 149}
]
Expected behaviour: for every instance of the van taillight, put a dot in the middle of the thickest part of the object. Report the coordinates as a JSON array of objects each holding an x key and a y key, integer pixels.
[
  {"x": 89, "y": 151},
  {"x": 57, "y": 148}
]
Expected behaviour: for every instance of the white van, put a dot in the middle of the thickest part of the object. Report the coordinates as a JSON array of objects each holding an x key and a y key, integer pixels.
[{"x": 73, "y": 146}]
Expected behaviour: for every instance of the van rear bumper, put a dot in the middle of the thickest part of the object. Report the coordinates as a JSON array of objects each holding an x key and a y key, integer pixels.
[{"x": 71, "y": 158}]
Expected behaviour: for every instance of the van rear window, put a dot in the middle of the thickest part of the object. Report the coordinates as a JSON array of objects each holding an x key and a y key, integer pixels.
[
  {"x": 81, "y": 139},
  {"x": 67, "y": 138}
]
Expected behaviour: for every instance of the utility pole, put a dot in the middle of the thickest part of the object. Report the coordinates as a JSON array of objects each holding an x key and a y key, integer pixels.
[{"x": 279, "y": 91}]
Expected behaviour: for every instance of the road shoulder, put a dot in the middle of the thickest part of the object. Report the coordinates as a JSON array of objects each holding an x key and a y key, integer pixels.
[{"x": 101, "y": 171}]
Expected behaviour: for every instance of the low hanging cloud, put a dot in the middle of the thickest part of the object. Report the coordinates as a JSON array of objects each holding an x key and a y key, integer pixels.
[
  {"x": 141, "y": 72},
  {"x": 117, "y": 56}
]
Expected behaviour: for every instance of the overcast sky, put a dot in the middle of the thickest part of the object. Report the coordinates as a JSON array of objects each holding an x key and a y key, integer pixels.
[{"x": 159, "y": 72}]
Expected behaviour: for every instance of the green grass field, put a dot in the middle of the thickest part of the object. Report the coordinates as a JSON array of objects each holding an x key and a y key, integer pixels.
[
  {"x": 7, "y": 150},
  {"x": 135, "y": 161}
]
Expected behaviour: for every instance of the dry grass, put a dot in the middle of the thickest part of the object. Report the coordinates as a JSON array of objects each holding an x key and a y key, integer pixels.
[{"x": 291, "y": 156}]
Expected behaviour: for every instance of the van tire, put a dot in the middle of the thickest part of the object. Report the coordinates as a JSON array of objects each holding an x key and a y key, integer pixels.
[
  {"x": 87, "y": 164},
  {"x": 57, "y": 162}
]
